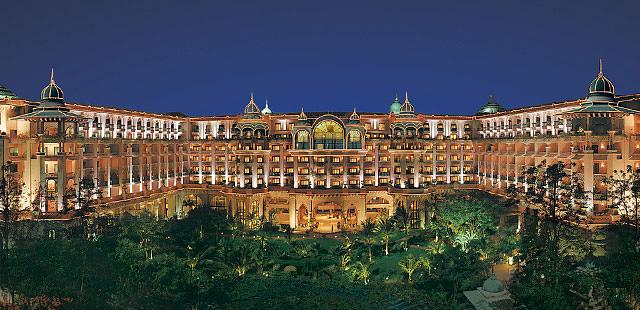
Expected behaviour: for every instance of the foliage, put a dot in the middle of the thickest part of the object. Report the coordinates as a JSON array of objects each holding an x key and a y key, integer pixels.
[
  {"x": 553, "y": 189},
  {"x": 624, "y": 186},
  {"x": 409, "y": 265},
  {"x": 385, "y": 229}
]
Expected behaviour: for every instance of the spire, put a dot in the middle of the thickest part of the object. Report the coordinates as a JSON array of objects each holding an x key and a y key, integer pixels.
[
  {"x": 600, "y": 73},
  {"x": 251, "y": 107},
  {"x": 354, "y": 116},
  {"x": 52, "y": 82},
  {"x": 407, "y": 107},
  {"x": 266, "y": 109},
  {"x": 302, "y": 116}
]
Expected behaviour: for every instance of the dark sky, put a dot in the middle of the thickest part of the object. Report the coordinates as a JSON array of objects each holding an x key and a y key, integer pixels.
[{"x": 205, "y": 57}]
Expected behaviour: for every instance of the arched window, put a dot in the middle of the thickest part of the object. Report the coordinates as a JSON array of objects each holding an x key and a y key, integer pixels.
[
  {"x": 302, "y": 140},
  {"x": 355, "y": 139},
  {"x": 328, "y": 134}
]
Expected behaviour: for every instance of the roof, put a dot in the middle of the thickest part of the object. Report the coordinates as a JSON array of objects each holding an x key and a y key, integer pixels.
[
  {"x": 6, "y": 93},
  {"x": 601, "y": 108},
  {"x": 50, "y": 114},
  {"x": 491, "y": 107}
]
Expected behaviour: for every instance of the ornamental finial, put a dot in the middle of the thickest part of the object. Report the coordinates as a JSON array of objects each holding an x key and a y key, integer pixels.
[{"x": 600, "y": 73}]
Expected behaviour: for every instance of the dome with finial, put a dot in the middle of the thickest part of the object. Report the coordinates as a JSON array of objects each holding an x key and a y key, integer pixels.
[
  {"x": 354, "y": 118},
  {"x": 52, "y": 92},
  {"x": 266, "y": 109},
  {"x": 6, "y": 93},
  {"x": 302, "y": 116},
  {"x": 491, "y": 107},
  {"x": 407, "y": 107},
  {"x": 492, "y": 285},
  {"x": 251, "y": 107},
  {"x": 601, "y": 85},
  {"x": 395, "y": 106}
]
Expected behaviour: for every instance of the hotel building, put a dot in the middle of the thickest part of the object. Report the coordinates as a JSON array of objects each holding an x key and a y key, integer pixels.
[{"x": 328, "y": 171}]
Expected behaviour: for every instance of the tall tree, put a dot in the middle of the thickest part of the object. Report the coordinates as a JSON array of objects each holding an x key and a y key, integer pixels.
[
  {"x": 555, "y": 190},
  {"x": 624, "y": 189},
  {"x": 402, "y": 219},
  {"x": 385, "y": 228},
  {"x": 367, "y": 236},
  {"x": 83, "y": 202},
  {"x": 409, "y": 265},
  {"x": 11, "y": 194}
]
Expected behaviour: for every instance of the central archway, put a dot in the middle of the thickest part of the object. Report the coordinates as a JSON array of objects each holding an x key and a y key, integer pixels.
[{"x": 328, "y": 134}]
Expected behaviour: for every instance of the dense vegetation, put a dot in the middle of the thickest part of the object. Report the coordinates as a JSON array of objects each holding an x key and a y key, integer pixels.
[{"x": 209, "y": 261}]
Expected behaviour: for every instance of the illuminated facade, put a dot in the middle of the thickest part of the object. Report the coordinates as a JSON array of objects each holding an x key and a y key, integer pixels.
[{"x": 328, "y": 171}]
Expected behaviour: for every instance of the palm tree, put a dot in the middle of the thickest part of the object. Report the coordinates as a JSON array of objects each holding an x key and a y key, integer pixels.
[
  {"x": 360, "y": 271},
  {"x": 436, "y": 248},
  {"x": 385, "y": 228},
  {"x": 464, "y": 238},
  {"x": 367, "y": 236},
  {"x": 409, "y": 265},
  {"x": 242, "y": 258},
  {"x": 344, "y": 261},
  {"x": 197, "y": 258},
  {"x": 426, "y": 263}
]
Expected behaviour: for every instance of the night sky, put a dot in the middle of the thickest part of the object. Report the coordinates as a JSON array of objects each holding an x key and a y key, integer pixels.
[{"x": 206, "y": 57}]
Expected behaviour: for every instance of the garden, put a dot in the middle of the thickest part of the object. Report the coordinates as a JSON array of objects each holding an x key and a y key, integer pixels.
[{"x": 210, "y": 261}]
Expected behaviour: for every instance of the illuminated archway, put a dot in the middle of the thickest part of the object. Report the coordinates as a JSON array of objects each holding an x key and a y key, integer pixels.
[
  {"x": 302, "y": 140},
  {"x": 328, "y": 134},
  {"x": 355, "y": 139}
]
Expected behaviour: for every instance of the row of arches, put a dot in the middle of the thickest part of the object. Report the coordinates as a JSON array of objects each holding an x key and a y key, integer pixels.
[{"x": 328, "y": 134}]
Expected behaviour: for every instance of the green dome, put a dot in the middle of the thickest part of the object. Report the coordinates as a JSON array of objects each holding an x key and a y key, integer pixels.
[
  {"x": 491, "y": 107},
  {"x": 52, "y": 92},
  {"x": 407, "y": 107},
  {"x": 395, "y": 106},
  {"x": 6, "y": 93},
  {"x": 492, "y": 285},
  {"x": 601, "y": 85}
]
